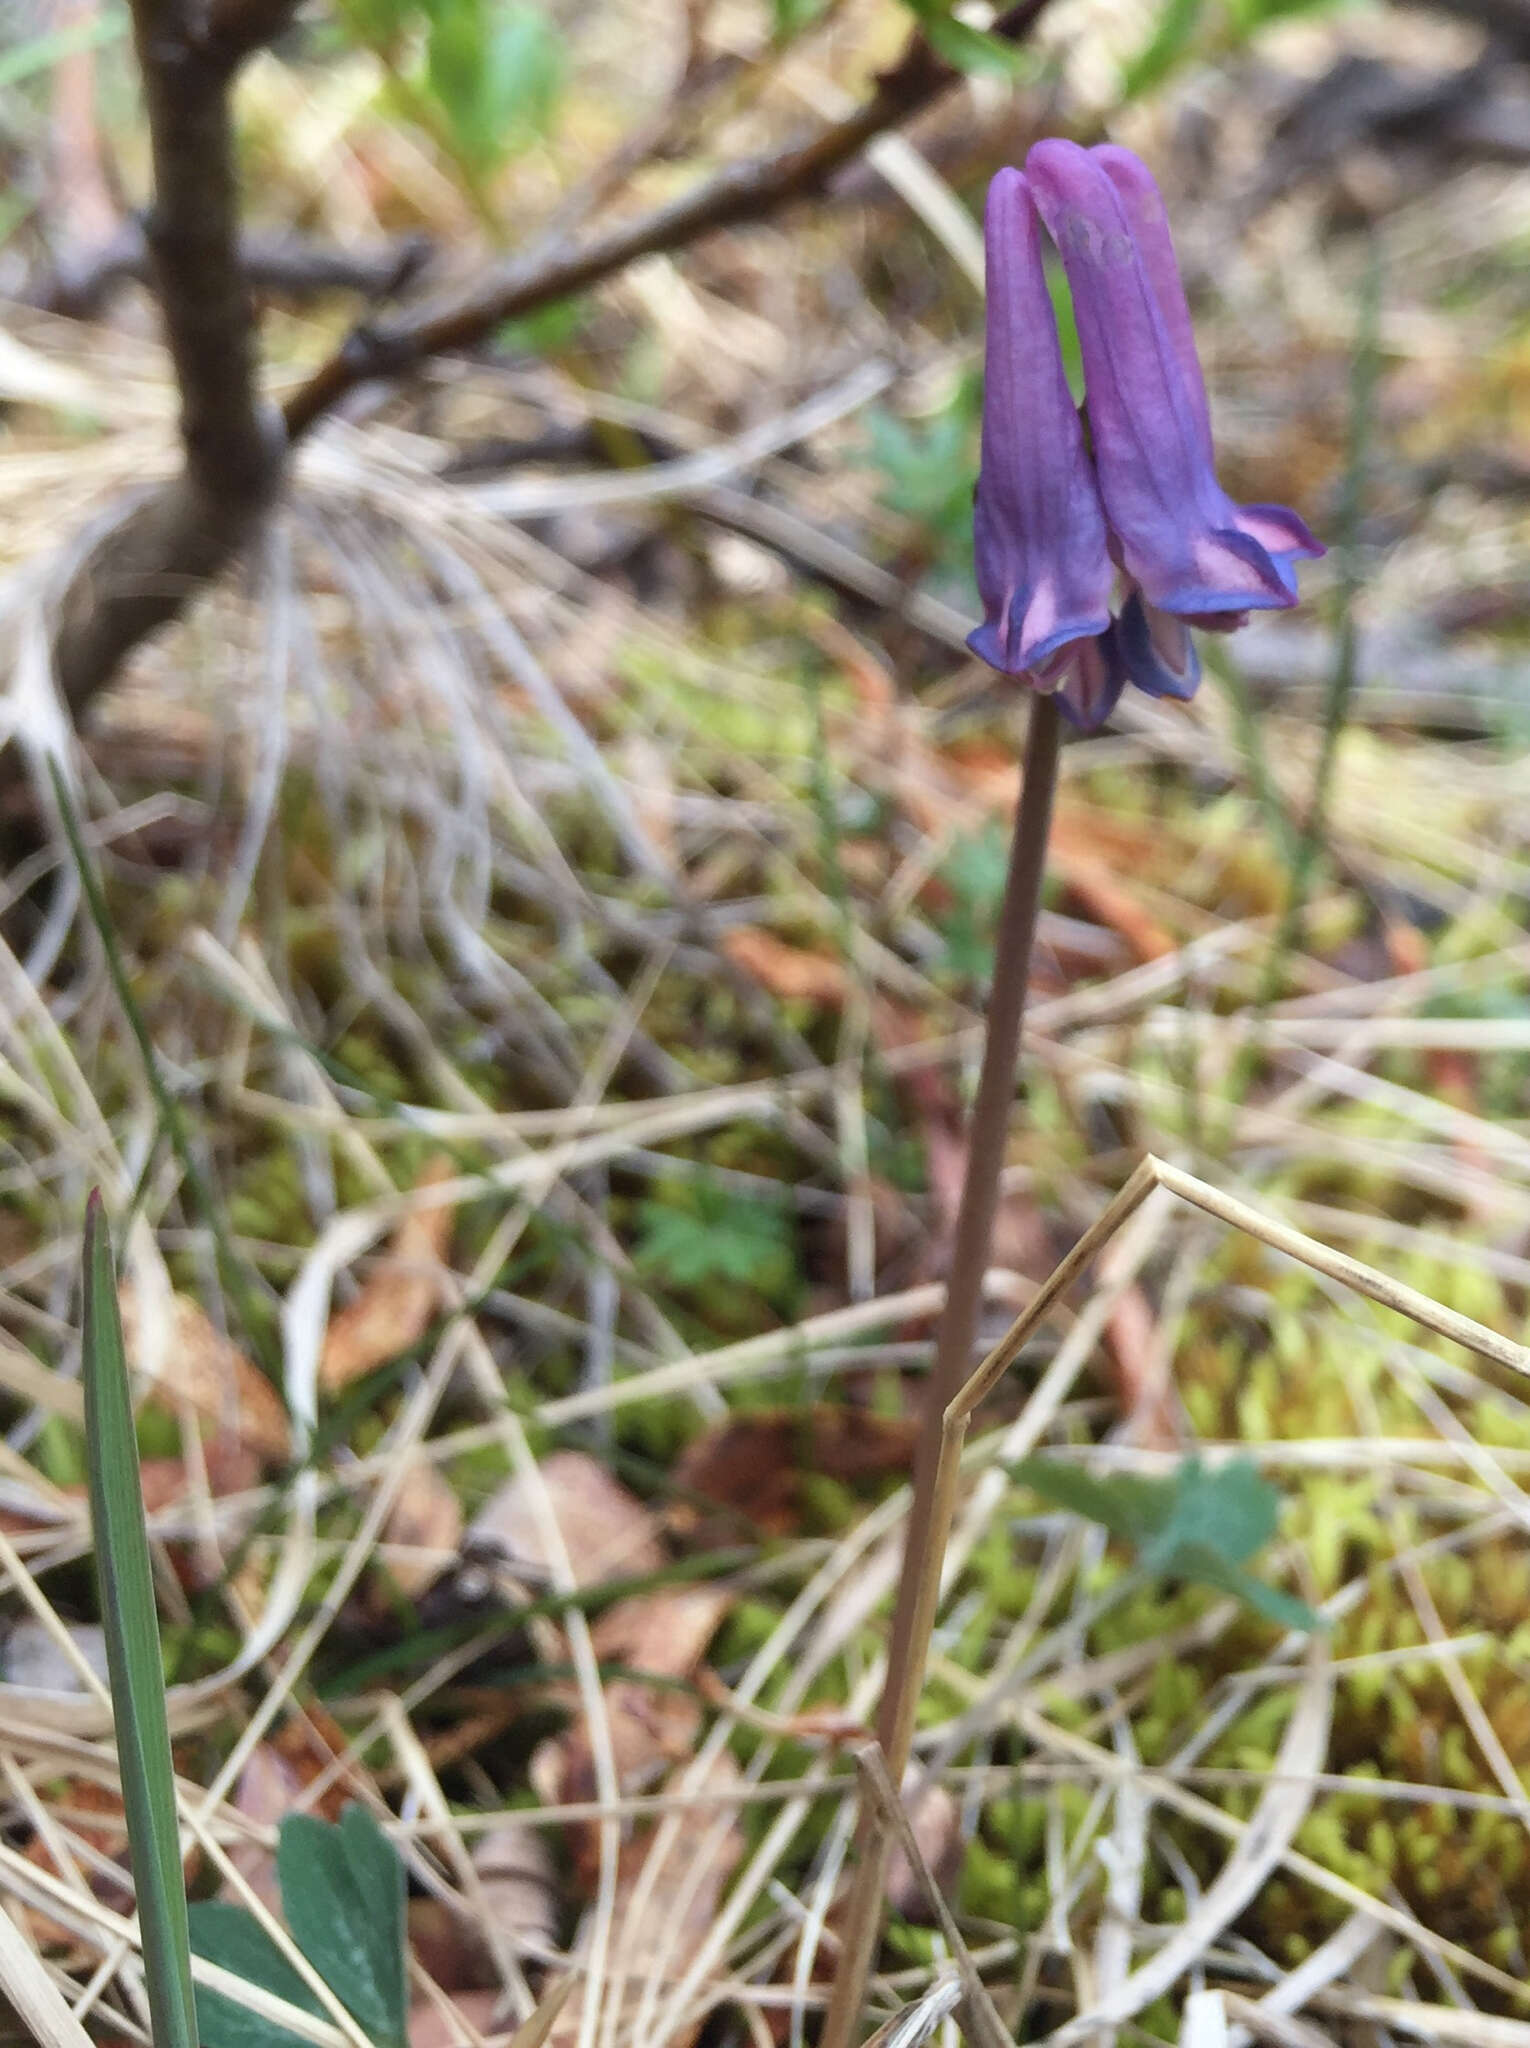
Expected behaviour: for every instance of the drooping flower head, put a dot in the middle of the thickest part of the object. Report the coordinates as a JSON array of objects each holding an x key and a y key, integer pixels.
[{"x": 1052, "y": 527}]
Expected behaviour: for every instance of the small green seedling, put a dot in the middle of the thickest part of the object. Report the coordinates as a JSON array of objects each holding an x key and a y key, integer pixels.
[{"x": 1195, "y": 1523}]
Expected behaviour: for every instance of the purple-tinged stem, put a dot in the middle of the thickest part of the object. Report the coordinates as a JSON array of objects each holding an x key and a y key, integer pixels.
[{"x": 929, "y": 1521}]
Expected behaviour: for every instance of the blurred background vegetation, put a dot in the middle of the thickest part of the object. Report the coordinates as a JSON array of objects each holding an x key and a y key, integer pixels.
[{"x": 581, "y": 801}]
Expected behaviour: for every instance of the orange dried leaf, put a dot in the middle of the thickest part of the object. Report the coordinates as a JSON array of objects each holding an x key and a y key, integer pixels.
[
  {"x": 669, "y": 1889},
  {"x": 398, "y": 1297},
  {"x": 756, "y": 1463},
  {"x": 789, "y": 972},
  {"x": 652, "y": 1726}
]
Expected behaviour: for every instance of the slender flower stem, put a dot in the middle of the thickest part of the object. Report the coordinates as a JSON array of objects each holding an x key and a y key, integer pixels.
[{"x": 929, "y": 1517}]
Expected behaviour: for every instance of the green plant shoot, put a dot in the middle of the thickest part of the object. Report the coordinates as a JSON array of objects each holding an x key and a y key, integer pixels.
[{"x": 137, "y": 1673}]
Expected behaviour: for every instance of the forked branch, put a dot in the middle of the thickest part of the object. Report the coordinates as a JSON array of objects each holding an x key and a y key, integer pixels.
[
  {"x": 179, "y": 534},
  {"x": 153, "y": 558}
]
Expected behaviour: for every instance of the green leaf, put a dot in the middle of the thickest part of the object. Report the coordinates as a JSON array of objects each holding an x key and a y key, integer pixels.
[
  {"x": 717, "y": 1235},
  {"x": 1165, "y": 48},
  {"x": 971, "y": 49},
  {"x": 1229, "y": 1510},
  {"x": 1132, "y": 1508},
  {"x": 230, "y": 1936},
  {"x": 343, "y": 1895},
  {"x": 1284, "y": 1609},
  {"x": 1196, "y": 1523},
  {"x": 495, "y": 71},
  {"x": 133, "y": 1658}
]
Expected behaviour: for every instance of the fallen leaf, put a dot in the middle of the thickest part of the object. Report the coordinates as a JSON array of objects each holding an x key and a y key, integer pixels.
[
  {"x": 515, "y": 1869},
  {"x": 1143, "y": 1384},
  {"x": 664, "y": 1914},
  {"x": 607, "y": 1532},
  {"x": 232, "y": 1467},
  {"x": 398, "y": 1297},
  {"x": 756, "y": 1464},
  {"x": 1110, "y": 902},
  {"x": 789, "y": 972},
  {"x": 449, "y": 1946},
  {"x": 189, "y": 1360},
  {"x": 653, "y": 1726},
  {"x": 936, "y": 1821},
  {"x": 269, "y": 1788},
  {"x": 431, "y": 2027},
  {"x": 425, "y": 1520},
  {"x": 108, "y": 1836}
]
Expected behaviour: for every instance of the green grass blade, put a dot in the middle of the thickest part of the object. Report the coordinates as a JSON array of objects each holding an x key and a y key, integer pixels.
[
  {"x": 132, "y": 1649},
  {"x": 41, "y": 53},
  {"x": 242, "y": 1283}
]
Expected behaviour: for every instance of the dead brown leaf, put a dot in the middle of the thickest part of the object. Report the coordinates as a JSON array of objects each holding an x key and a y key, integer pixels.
[
  {"x": 789, "y": 972},
  {"x": 397, "y": 1298},
  {"x": 607, "y": 1532},
  {"x": 756, "y": 1464},
  {"x": 653, "y": 1725},
  {"x": 82, "y": 1797},
  {"x": 191, "y": 1361},
  {"x": 447, "y": 1943},
  {"x": 515, "y": 1869},
  {"x": 1142, "y": 1379},
  {"x": 426, "y": 1518},
  {"x": 430, "y": 2027},
  {"x": 663, "y": 1916},
  {"x": 269, "y": 1788},
  {"x": 231, "y": 1466},
  {"x": 936, "y": 1821}
]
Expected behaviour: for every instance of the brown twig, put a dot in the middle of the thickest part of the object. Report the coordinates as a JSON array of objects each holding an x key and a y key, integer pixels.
[
  {"x": 745, "y": 192},
  {"x": 924, "y": 1546},
  {"x": 180, "y": 534},
  {"x": 152, "y": 559}
]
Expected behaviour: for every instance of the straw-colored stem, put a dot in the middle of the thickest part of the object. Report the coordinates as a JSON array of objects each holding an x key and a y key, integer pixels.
[{"x": 938, "y": 1458}]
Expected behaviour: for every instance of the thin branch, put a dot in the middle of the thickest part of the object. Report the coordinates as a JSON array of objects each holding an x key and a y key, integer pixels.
[
  {"x": 150, "y": 560},
  {"x": 744, "y": 192},
  {"x": 178, "y": 535},
  {"x": 80, "y": 284}
]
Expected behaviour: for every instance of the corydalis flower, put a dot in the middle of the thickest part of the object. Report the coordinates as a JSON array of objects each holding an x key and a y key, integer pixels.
[{"x": 1052, "y": 526}]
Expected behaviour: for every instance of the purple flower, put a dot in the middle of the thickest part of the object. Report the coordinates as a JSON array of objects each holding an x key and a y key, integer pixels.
[
  {"x": 1050, "y": 527},
  {"x": 1043, "y": 568}
]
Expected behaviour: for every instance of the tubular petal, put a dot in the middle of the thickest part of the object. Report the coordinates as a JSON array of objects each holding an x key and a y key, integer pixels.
[
  {"x": 1179, "y": 533},
  {"x": 1043, "y": 570}
]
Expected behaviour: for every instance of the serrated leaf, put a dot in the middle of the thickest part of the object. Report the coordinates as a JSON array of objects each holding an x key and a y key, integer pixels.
[
  {"x": 231, "y": 1937},
  {"x": 343, "y": 1895},
  {"x": 131, "y": 1624}
]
